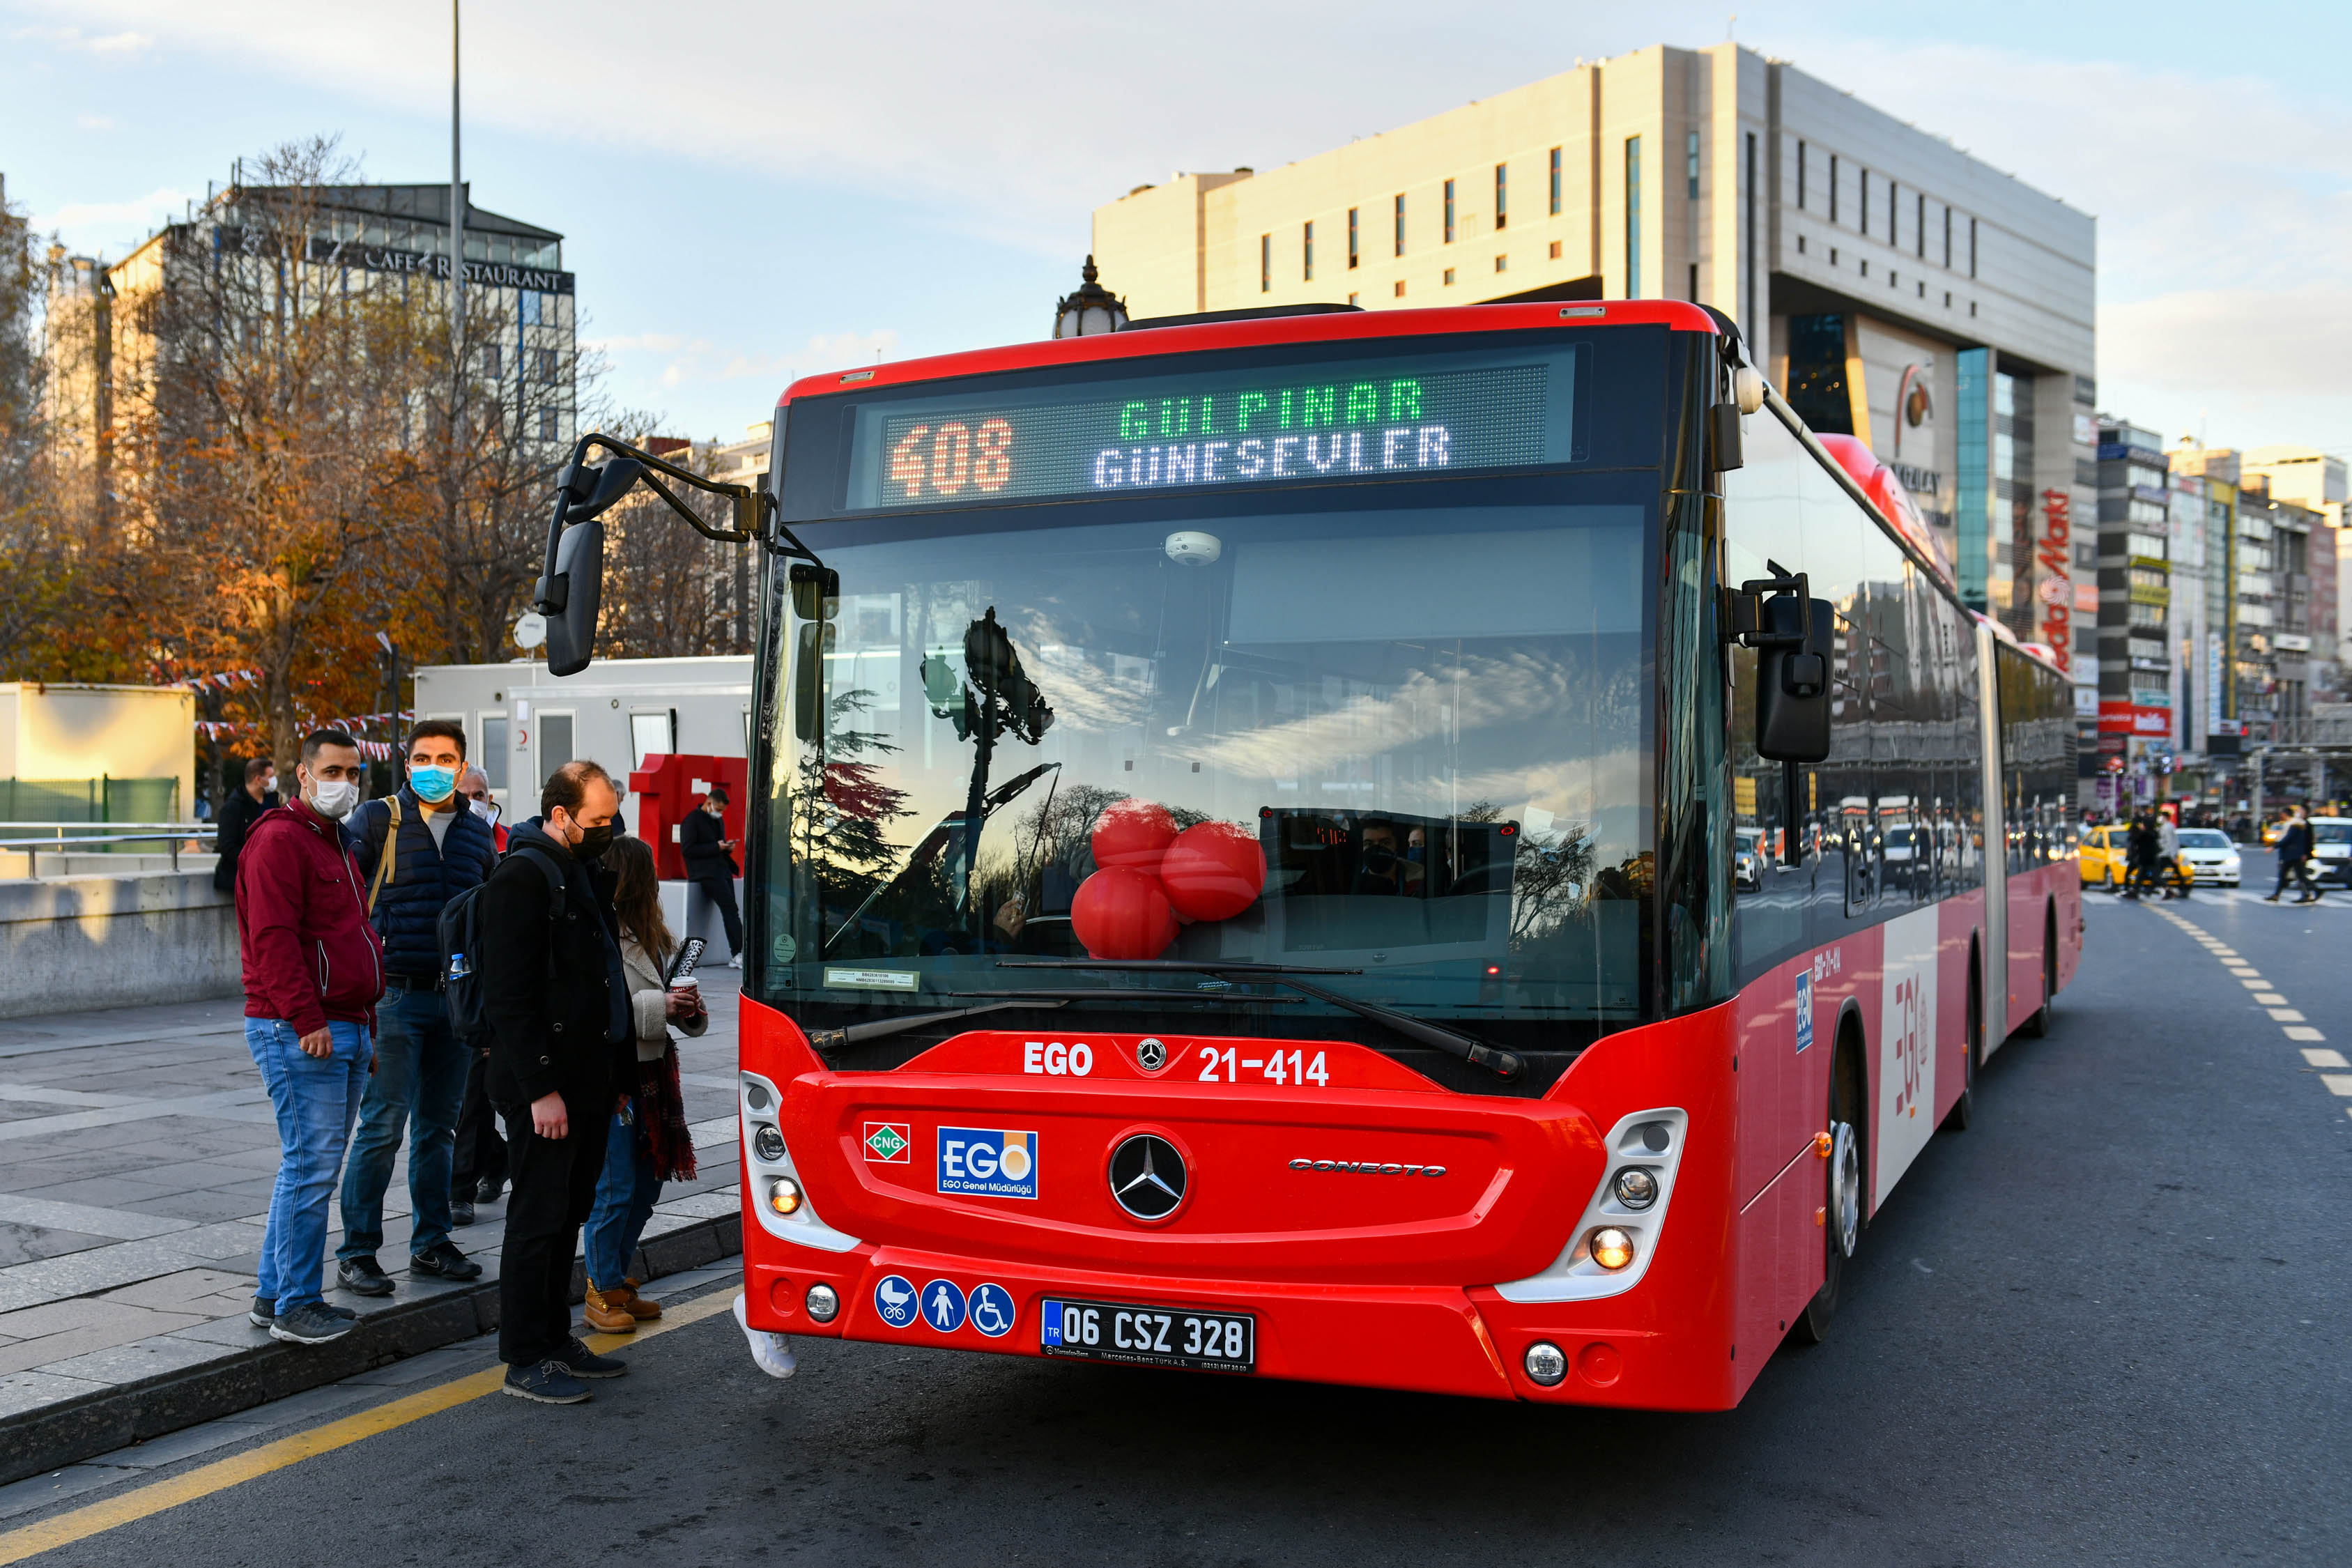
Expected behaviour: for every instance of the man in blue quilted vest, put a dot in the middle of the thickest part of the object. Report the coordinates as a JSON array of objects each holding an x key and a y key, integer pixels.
[{"x": 416, "y": 850}]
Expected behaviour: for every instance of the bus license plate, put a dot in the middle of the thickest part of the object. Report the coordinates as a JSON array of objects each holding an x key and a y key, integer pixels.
[{"x": 1150, "y": 1336}]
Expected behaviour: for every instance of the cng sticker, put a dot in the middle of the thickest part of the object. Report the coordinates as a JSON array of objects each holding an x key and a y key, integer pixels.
[{"x": 888, "y": 1142}]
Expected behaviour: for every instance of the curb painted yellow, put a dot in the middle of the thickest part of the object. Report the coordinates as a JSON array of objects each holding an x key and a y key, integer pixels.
[{"x": 141, "y": 1502}]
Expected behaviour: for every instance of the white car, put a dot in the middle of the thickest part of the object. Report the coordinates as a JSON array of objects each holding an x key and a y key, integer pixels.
[
  {"x": 2212, "y": 854},
  {"x": 2331, "y": 849},
  {"x": 1747, "y": 858}
]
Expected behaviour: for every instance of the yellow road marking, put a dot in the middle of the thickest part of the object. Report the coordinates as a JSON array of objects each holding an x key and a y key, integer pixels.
[{"x": 140, "y": 1502}]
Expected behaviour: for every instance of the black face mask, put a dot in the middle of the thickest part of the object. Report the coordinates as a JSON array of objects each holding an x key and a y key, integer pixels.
[{"x": 594, "y": 841}]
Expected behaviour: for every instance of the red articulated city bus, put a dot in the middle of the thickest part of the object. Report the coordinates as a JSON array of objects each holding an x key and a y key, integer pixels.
[{"x": 1460, "y": 850}]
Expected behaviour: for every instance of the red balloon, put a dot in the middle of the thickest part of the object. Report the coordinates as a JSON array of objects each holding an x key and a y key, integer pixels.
[
  {"x": 1212, "y": 871},
  {"x": 1132, "y": 834},
  {"x": 1122, "y": 913}
]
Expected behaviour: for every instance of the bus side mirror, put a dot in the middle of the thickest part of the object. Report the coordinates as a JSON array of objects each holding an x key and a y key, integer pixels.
[
  {"x": 816, "y": 592},
  {"x": 571, "y": 596},
  {"x": 1792, "y": 679},
  {"x": 808, "y": 678}
]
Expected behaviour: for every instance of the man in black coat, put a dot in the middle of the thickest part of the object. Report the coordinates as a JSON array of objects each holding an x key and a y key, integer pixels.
[
  {"x": 2294, "y": 850},
  {"x": 710, "y": 864},
  {"x": 236, "y": 818},
  {"x": 560, "y": 1032}
]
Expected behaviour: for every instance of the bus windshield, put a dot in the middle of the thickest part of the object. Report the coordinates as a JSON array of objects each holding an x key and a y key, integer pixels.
[{"x": 1395, "y": 729}]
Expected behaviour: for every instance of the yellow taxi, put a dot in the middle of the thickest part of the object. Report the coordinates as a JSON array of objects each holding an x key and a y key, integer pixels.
[
  {"x": 2107, "y": 864},
  {"x": 2106, "y": 859}
]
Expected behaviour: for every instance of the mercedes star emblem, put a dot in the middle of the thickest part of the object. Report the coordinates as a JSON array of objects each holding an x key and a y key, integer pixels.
[
  {"x": 1147, "y": 1176},
  {"x": 1152, "y": 1055}
]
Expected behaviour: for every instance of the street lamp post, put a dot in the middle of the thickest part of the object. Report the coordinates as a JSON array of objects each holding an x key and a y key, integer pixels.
[{"x": 1090, "y": 309}]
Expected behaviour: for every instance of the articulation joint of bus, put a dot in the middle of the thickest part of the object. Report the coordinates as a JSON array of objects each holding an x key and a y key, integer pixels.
[{"x": 1440, "y": 849}]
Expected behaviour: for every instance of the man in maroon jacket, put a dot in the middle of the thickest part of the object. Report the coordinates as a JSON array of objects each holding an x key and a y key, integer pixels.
[{"x": 313, "y": 970}]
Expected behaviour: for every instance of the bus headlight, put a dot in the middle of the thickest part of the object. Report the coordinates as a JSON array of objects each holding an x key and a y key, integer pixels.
[
  {"x": 784, "y": 1195},
  {"x": 823, "y": 1303},
  {"x": 767, "y": 1143},
  {"x": 1637, "y": 1188},
  {"x": 1611, "y": 1248},
  {"x": 1545, "y": 1364}
]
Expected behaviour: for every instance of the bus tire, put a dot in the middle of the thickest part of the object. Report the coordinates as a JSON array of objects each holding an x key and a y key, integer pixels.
[
  {"x": 1964, "y": 1110},
  {"x": 2038, "y": 1027},
  {"x": 1842, "y": 1216}
]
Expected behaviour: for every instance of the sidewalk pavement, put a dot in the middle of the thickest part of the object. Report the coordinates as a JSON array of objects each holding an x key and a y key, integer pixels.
[{"x": 138, "y": 1152}]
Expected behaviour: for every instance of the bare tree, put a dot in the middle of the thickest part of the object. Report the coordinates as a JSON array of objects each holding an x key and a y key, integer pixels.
[{"x": 270, "y": 474}]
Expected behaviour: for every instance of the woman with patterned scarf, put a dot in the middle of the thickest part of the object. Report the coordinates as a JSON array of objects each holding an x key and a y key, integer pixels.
[{"x": 649, "y": 1143}]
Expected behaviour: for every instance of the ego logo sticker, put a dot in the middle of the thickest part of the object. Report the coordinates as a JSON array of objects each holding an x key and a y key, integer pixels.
[
  {"x": 1804, "y": 1009},
  {"x": 988, "y": 1161}
]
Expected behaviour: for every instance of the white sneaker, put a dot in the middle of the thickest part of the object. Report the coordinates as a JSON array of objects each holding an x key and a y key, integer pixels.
[
  {"x": 770, "y": 1352},
  {"x": 735, "y": 963}
]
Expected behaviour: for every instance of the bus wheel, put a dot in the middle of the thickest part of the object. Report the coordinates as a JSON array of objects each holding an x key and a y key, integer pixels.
[
  {"x": 2038, "y": 1027},
  {"x": 1841, "y": 1220},
  {"x": 1964, "y": 1110}
]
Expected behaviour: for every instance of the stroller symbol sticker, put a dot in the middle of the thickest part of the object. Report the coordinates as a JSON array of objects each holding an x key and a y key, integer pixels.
[
  {"x": 992, "y": 1311},
  {"x": 894, "y": 1300}
]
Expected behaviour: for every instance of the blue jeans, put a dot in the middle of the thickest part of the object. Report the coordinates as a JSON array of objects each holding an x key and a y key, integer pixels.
[
  {"x": 419, "y": 1084},
  {"x": 316, "y": 1100},
  {"x": 625, "y": 1201}
]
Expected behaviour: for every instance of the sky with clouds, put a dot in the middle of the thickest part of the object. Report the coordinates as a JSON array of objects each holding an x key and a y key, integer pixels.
[{"x": 752, "y": 191}]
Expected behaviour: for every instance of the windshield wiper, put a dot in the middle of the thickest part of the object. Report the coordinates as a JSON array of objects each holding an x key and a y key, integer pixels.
[
  {"x": 1112, "y": 995},
  {"x": 1503, "y": 1064},
  {"x": 824, "y": 1040}
]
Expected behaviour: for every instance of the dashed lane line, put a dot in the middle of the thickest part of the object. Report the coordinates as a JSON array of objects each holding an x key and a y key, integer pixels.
[
  {"x": 145, "y": 1501},
  {"x": 2291, "y": 1023}
]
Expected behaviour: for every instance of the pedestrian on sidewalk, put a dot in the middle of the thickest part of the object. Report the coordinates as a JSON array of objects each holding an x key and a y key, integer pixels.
[
  {"x": 561, "y": 1034},
  {"x": 711, "y": 865},
  {"x": 418, "y": 848},
  {"x": 647, "y": 1142},
  {"x": 477, "y": 1173},
  {"x": 237, "y": 816},
  {"x": 313, "y": 971},
  {"x": 2294, "y": 852},
  {"x": 474, "y": 785}
]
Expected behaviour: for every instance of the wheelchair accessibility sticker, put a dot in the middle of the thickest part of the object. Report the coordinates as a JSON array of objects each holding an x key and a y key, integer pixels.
[{"x": 992, "y": 1311}]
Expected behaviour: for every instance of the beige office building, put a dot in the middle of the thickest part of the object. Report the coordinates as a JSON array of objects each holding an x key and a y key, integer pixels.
[{"x": 1897, "y": 288}]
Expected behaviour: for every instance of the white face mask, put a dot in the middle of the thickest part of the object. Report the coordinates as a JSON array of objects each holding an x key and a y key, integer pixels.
[
  {"x": 487, "y": 810},
  {"x": 334, "y": 798}
]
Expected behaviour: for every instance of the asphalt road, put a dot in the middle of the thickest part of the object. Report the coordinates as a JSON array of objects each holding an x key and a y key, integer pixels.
[{"x": 2107, "y": 1324}]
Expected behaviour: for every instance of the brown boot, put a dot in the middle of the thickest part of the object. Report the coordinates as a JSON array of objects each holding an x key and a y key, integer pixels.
[
  {"x": 608, "y": 1312},
  {"x": 645, "y": 1311}
]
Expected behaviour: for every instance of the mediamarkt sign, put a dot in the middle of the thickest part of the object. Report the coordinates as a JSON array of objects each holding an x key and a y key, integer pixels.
[
  {"x": 2125, "y": 719},
  {"x": 2056, "y": 557}
]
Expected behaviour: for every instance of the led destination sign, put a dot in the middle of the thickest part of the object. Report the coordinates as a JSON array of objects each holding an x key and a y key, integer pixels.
[{"x": 1178, "y": 432}]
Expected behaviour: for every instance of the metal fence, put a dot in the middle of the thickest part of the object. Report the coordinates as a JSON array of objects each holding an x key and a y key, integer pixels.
[
  {"x": 75, "y": 802},
  {"x": 35, "y": 839}
]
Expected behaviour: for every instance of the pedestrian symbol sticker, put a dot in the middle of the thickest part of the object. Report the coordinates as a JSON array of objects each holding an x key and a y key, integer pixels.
[
  {"x": 894, "y": 1300},
  {"x": 943, "y": 1306},
  {"x": 992, "y": 1311},
  {"x": 887, "y": 1143}
]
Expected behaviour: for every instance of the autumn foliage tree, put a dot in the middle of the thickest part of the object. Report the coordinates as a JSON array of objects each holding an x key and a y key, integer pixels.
[{"x": 270, "y": 468}]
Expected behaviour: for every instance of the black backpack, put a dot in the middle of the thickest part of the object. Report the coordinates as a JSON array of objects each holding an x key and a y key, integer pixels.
[{"x": 461, "y": 946}]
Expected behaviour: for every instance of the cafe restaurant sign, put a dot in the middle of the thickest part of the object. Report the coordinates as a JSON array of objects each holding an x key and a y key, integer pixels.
[{"x": 384, "y": 259}]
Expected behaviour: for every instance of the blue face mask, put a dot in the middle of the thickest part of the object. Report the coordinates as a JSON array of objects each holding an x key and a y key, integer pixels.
[{"x": 433, "y": 785}]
